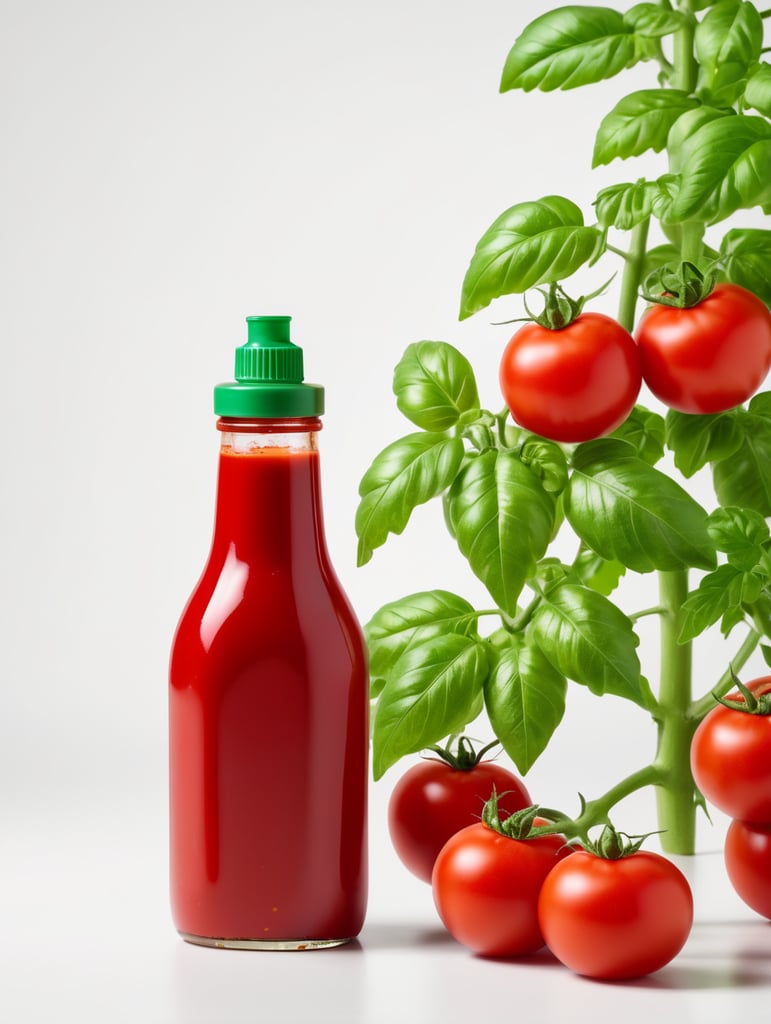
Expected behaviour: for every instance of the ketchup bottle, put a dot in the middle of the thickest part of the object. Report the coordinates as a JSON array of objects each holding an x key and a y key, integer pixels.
[{"x": 268, "y": 686}]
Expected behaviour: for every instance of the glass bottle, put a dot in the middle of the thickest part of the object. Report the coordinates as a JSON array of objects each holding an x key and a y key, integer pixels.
[{"x": 268, "y": 687}]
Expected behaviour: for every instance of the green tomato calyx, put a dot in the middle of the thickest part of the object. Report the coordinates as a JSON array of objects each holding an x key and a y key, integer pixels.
[
  {"x": 750, "y": 704},
  {"x": 517, "y": 826},
  {"x": 465, "y": 757},
  {"x": 613, "y": 845},
  {"x": 681, "y": 285}
]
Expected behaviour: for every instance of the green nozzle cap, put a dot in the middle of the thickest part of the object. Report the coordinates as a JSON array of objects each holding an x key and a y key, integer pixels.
[{"x": 269, "y": 376}]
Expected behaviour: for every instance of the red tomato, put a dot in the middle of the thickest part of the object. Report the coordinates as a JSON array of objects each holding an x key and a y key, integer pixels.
[
  {"x": 486, "y": 888},
  {"x": 571, "y": 384},
  {"x": 748, "y": 863},
  {"x": 710, "y": 357},
  {"x": 432, "y": 801},
  {"x": 731, "y": 758},
  {"x": 615, "y": 918}
]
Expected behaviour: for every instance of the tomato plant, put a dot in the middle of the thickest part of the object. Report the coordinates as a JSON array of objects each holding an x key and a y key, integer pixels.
[
  {"x": 487, "y": 879},
  {"x": 731, "y": 753},
  {"x": 709, "y": 357},
  {"x": 443, "y": 794},
  {"x": 574, "y": 383},
  {"x": 519, "y": 492},
  {"x": 748, "y": 863},
  {"x": 618, "y": 915}
]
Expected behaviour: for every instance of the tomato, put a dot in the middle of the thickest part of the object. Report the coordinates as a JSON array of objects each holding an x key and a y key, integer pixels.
[
  {"x": 748, "y": 863},
  {"x": 432, "y": 801},
  {"x": 709, "y": 357},
  {"x": 571, "y": 384},
  {"x": 731, "y": 758},
  {"x": 486, "y": 888},
  {"x": 615, "y": 919}
]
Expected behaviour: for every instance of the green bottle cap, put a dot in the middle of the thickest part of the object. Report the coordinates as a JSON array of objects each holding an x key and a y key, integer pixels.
[{"x": 269, "y": 376}]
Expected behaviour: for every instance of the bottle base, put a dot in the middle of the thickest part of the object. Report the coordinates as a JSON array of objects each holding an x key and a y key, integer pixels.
[{"x": 276, "y": 945}]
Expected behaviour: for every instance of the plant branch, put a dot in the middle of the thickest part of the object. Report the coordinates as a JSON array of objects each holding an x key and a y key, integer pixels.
[
  {"x": 632, "y": 277},
  {"x": 699, "y": 708}
]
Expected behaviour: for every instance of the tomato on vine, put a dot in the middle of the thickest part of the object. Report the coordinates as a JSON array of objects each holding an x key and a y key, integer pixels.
[
  {"x": 487, "y": 879},
  {"x": 731, "y": 753},
  {"x": 709, "y": 355},
  {"x": 569, "y": 375},
  {"x": 441, "y": 795},
  {"x": 747, "y": 856},
  {"x": 614, "y": 911}
]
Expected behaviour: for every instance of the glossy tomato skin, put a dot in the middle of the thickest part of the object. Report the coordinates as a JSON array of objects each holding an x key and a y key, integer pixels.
[
  {"x": 747, "y": 855},
  {"x": 574, "y": 384},
  {"x": 486, "y": 889},
  {"x": 432, "y": 801},
  {"x": 709, "y": 357},
  {"x": 614, "y": 919},
  {"x": 731, "y": 759}
]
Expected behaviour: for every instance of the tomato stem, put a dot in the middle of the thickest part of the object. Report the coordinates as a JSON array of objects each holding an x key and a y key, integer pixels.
[
  {"x": 633, "y": 273},
  {"x": 699, "y": 708}
]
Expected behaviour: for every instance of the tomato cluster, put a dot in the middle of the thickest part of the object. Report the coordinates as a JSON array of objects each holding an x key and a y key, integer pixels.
[
  {"x": 503, "y": 887},
  {"x": 731, "y": 765},
  {"x": 579, "y": 380}
]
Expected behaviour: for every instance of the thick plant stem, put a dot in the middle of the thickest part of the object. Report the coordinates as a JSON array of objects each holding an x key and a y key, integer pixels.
[
  {"x": 676, "y": 792},
  {"x": 633, "y": 273}
]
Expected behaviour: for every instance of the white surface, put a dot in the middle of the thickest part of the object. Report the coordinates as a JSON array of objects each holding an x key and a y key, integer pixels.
[{"x": 167, "y": 169}]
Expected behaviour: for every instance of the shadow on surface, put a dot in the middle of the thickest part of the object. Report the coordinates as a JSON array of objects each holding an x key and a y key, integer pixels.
[{"x": 394, "y": 935}]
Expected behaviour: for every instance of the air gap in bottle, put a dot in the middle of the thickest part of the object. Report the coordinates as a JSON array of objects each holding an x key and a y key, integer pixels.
[{"x": 268, "y": 686}]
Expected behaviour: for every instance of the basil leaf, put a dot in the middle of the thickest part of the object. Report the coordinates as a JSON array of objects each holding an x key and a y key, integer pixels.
[
  {"x": 726, "y": 165},
  {"x": 415, "y": 618},
  {"x": 741, "y": 533},
  {"x": 569, "y": 47},
  {"x": 757, "y": 94},
  {"x": 653, "y": 20},
  {"x": 727, "y": 42},
  {"x": 530, "y": 244},
  {"x": 435, "y": 694},
  {"x": 502, "y": 519},
  {"x": 717, "y": 592},
  {"x": 525, "y": 701},
  {"x": 547, "y": 460},
  {"x": 626, "y": 205},
  {"x": 645, "y": 431},
  {"x": 746, "y": 257},
  {"x": 597, "y": 573},
  {"x": 588, "y": 639},
  {"x": 628, "y": 511},
  {"x": 639, "y": 122},
  {"x": 698, "y": 440},
  {"x": 404, "y": 475},
  {"x": 745, "y": 478},
  {"x": 434, "y": 385}
]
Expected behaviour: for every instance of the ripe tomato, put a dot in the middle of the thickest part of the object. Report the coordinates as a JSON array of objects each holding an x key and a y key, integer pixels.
[
  {"x": 486, "y": 888},
  {"x": 709, "y": 357},
  {"x": 615, "y": 919},
  {"x": 571, "y": 384},
  {"x": 432, "y": 801},
  {"x": 731, "y": 758},
  {"x": 748, "y": 863}
]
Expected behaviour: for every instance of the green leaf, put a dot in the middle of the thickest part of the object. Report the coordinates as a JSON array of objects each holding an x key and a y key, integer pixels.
[
  {"x": 745, "y": 478},
  {"x": 717, "y": 592},
  {"x": 406, "y": 474},
  {"x": 434, "y": 385},
  {"x": 588, "y": 639},
  {"x": 525, "y": 701},
  {"x": 547, "y": 460},
  {"x": 699, "y": 440},
  {"x": 727, "y": 43},
  {"x": 741, "y": 533},
  {"x": 628, "y": 511},
  {"x": 531, "y": 243},
  {"x": 626, "y": 205},
  {"x": 757, "y": 94},
  {"x": 645, "y": 431},
  {"x": 746, "y": 259},
  {"x": 653, "y": 20},
  {"x": 400, "y": 624},
  {"x": 434, "y": 695},
  {"x": 639, "y": 122},
  {"x": 597, "y": 573},
  {"x": 502, "y": 519},
  {"x": 726, "y": 166},
  {"x": 569, "y": 47}
]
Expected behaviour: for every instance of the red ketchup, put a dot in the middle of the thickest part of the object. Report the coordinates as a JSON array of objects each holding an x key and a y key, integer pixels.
[{"x": 268, "y": 687}]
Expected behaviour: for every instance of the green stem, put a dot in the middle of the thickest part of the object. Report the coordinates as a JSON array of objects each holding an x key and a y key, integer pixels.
[
  {"x": 685, "y": 69},
  {"x": 632, "y": 277},
  {"x": 701, "y": 707},
  {"x": 676, "y": 793}
]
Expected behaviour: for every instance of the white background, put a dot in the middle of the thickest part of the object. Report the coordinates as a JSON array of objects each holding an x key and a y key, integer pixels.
[{"x": 167, "y": 169}]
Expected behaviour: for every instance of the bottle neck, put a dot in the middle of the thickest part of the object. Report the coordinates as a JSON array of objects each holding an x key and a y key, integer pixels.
[{"x": 268, "y": 492}]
